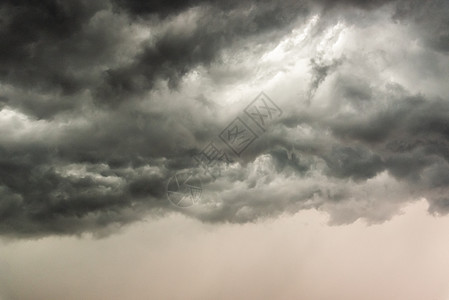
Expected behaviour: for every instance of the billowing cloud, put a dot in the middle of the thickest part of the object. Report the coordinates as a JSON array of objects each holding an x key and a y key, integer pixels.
[{"x": 102, "y": 103}]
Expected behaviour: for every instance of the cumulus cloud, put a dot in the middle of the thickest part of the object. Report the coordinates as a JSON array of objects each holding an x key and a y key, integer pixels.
[{"x": 103, "y": 102}]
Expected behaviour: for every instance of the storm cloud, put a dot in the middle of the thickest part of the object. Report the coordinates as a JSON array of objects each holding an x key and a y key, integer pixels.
[{"x": 103, "y": 102}]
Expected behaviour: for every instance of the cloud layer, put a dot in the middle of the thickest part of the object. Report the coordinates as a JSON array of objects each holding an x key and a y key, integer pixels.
[{"x": 103, "y": 102}]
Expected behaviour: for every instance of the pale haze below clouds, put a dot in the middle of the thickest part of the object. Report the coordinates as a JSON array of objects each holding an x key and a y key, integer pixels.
[{"x": 294, "y": 257}]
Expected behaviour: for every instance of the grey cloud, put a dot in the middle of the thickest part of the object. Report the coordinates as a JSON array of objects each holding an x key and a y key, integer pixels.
[
  {"x": 112, "y": 136},
  {"x": 215, "y": 30},
  {"x": 37, "y": 200},
  {"x": 54, "y": 51},
  {"x": 35, "y": 35},
  {"x": 430, "y": 18},
  {"x": 353, "y": 162},
  {"x": 320, "y": 70}
]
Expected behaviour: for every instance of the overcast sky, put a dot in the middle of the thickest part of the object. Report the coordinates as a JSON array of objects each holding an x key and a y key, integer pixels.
[{"x": 104, "y": 103}]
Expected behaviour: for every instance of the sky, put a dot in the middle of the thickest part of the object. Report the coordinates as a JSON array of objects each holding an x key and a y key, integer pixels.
[{"x": 257, "y": 137}]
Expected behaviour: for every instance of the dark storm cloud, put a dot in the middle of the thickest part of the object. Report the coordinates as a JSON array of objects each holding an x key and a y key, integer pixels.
[
  {"x": 34, "y": 37},
  {"x": 164, "y": 8},
  {"x": 90, "y": 141},
  {"x": 174, "y": 53},
  {"x": 407, "y": 136},
  {"x": 431, "y": 19},
  {"x": 39, "y": 198},
  {"x": 52, "y": 50}
]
